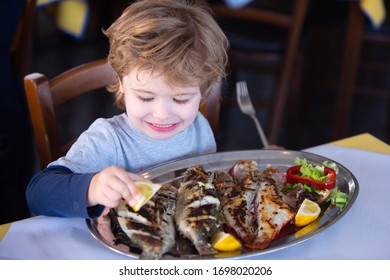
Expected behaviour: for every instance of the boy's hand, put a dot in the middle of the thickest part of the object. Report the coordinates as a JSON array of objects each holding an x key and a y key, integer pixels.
[{"x": 112, "y": 184}]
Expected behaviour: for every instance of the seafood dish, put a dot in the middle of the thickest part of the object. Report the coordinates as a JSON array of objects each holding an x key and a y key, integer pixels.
[
  {"x": 254, "y": 209},
  {"x": 237, "y": 196},
  {"x": 151, "y": 229},
  {"x": 245, "y": 204},
  {"x": 197, "y": 213},
  {"x": 238, "y": 193}
]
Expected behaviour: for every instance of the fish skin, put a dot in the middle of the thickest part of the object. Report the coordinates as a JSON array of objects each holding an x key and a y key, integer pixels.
[
  {"x": 275, "y": 174},
  {"x": 236, "y": 199},
  {"x": 272, "y": 214},
  {"x": 152, "y": 228},
  {"x": 253, "y": 206},
  {"x": 279, "y": 178},
  {"x": 244, "y": 170},
  {"x": 198, "y": 209}
]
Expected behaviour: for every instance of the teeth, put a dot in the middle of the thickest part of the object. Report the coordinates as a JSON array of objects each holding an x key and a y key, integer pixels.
[{"x": 163, "y": 125}]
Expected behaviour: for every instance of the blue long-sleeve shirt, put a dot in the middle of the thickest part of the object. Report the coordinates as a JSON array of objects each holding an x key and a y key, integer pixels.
[{"x": 61, "y": 189}]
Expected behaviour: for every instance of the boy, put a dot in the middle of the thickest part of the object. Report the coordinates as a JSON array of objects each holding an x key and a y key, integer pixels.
[{"x": 167, "y": 55}]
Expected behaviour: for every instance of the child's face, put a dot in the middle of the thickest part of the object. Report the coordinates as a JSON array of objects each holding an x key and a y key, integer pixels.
[{"x": 157, "y": 109}]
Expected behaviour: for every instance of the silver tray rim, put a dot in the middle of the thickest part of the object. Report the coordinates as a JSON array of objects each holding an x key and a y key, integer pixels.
[{"x": 283, "y": 159}]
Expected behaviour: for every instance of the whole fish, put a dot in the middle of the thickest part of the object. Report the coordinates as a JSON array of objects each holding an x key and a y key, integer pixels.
[
  {"x": 152, "y": 228},
  {"x": 236, "y": 195},
  {"x": 198, "y": 209}
]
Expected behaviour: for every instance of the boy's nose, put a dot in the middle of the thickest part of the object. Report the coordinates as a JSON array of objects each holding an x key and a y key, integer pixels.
[{"x": 162, "y": 110}]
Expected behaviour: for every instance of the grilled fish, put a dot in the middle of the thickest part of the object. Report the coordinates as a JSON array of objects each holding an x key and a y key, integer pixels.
[
  {"x": 254, "y": 209},
  {"x": 279, "y": 178},
  {"x": 272, "y": 214},
  {"x": 151, "y": 229},
  {"x": 237, "y": 190},
  {"x": 198, "y": 209}
]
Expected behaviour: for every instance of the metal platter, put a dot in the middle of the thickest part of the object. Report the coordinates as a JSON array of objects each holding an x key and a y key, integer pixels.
[{"x": 282, "y": 159}]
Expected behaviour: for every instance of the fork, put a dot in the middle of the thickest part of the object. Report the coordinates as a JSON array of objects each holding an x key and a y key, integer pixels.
[{"x": 246, "y": 106}]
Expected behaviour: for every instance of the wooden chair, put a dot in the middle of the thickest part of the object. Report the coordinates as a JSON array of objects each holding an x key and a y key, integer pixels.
[
  {"x": 251, "y": 31},
  {"x": 352, "y": 72},
  {"x": 358, "y": 33},
  {"x": 21, "y": 49},
  {"x": 44, "y": 96}
]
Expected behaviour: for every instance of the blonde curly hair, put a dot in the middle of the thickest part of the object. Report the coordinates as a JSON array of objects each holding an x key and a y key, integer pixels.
[{"x": 177, "y": 38}]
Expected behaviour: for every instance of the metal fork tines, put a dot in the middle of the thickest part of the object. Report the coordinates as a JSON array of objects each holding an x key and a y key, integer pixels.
[{"x": 246, "y": 106}]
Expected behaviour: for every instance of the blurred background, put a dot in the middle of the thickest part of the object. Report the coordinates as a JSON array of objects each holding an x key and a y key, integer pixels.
[{"x": 309, "y": 117}]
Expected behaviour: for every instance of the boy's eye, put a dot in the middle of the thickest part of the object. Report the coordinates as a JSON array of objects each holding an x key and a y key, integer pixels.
[
  {"x": 145, "y": 99},
  {"x": 180, "y": 101}
]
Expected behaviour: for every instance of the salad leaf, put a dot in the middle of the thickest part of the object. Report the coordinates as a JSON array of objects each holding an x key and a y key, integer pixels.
[
  {"x": 315, "y": 172},
  {"x": 300, "y": 161},
  {"x": 337, "y": 197},
  {"x": 332, "y": 165}
]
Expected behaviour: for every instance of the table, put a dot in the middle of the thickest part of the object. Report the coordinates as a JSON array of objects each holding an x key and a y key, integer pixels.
[{"x": 361, "y": 234}]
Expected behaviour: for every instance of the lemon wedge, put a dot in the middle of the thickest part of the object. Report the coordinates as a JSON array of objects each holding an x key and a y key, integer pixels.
[
  {"x": 147, "y": 190},
  {"x": 307, "y": 229},
  {"x": 307, "y": 213},
  {"x": 225, "y": 242}
]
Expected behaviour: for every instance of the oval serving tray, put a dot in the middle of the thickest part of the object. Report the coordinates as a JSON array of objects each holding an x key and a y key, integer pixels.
[{"x": 282, "y": 159}]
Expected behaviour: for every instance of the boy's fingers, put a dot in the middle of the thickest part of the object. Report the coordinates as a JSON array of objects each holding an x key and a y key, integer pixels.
[
  {"x": 134, "y": 194},
  {"x": 136, "y": 177}
]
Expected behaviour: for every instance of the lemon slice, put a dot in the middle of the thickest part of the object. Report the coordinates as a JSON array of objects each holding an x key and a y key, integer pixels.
[
  {"x": 225, "y": 242},
  {"x": 307, "y": 229},
  {"x": 307, "y": 213},
  {"x": 147, "y": 191}
]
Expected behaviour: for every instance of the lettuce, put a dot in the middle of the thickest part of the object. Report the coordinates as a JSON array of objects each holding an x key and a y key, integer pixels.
[{"x": 315, "y": 172}]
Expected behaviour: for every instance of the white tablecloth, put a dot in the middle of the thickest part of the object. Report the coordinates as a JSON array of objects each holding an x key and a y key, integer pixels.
[{"x": 362, "y": 233}]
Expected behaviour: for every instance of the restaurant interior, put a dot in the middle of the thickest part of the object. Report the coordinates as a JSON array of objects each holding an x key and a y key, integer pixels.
[{"x": 311, "y": 112}]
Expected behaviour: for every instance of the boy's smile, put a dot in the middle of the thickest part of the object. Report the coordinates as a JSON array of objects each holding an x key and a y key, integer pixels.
[
  {"x": 158, "y": 109},
  {"x": 162, "y": 128}
]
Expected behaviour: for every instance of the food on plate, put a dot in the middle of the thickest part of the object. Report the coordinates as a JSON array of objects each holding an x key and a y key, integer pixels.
[
  {"x": 237, "y": 198},
  {"x": 307, "y": 229},
  {"x": 197, "y": 214},
  {"x": 152, "y": 228},
  {"x": 323, "y": 179},
  {"x": 307, "y": 213},
  {"x": 147, "y": 190},
  {"x": 255, "y": 211},
  {"x": 221, "y": 211},
  {"x": 272, "y": 214},
  {"x": 225, "y": 242},
  {"x": 315, "y": 182}
]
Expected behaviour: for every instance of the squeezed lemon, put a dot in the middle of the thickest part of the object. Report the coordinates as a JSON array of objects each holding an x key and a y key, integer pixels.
[
  {"x": 307, "y": 213},
  {"x": 225, "y": 242},
  {"x": 147, "y": 190}
]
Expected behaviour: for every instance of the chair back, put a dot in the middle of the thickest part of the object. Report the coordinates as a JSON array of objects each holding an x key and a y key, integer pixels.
[
  {"x": 252, "y": 50},
  {"x": 21, "y": 49},
  {"x": 44, "y": 96}
]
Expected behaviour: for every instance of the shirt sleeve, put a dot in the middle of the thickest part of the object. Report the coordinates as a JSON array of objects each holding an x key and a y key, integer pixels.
[
  {"x": 95, "y": 149},
  {"x": 57, "y": 191}
]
